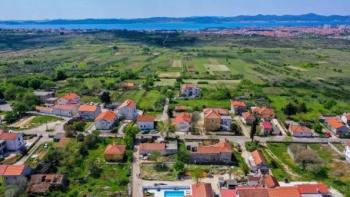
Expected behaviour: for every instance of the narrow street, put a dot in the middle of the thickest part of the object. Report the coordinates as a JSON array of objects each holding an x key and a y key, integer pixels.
[{"x": 136, "y": 172}]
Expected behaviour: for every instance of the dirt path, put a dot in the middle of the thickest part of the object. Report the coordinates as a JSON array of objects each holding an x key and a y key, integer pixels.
[
  {"x": 284, "y": 166},
  {"x": 23, "y": 123}
]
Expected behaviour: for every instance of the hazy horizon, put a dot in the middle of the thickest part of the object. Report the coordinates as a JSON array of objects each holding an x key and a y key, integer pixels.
[{"x": 135, "y": 9}]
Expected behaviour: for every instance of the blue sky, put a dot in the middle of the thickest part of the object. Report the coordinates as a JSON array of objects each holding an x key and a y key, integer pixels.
[{"x": 77, "y": 9}]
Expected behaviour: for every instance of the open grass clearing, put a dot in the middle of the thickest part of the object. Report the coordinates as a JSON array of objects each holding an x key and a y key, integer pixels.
[
  {"x": 165, "y": 82},
  {"x": 177, "y": 63},
  {"x": 171, "y": 75}
]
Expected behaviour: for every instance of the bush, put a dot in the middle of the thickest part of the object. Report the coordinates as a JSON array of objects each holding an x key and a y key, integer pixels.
[{"x": 251, "y": 146}]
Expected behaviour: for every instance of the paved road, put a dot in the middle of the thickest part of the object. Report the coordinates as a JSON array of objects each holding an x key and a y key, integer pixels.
[
  {"x": 121, "y": 129},
  {"x": 136, "y": 172},
  {"x": 165, "y": 117}
]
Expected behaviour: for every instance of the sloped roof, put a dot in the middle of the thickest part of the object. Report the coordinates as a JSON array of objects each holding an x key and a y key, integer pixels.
[
  {"x": 8, "y": 136},
  {"x": 247, "y": 115},
  {"x": 215, "y": 112},
  {"x": 313, "y": 188},
  {"x": 296, "y": 128},
  {"x": 152, "y": 146},
  {"x": 284, "y": 192},
  {"x": 228, "y": 193},
  {"x": 182, "y": 117},
  {"x": 11, "y": 170},
  {"x": 146, "y": 118},
  {"x": 270, "y": 181},
  {"x": 334, "y": 122},
  {"x": 258, "y": 157},
  {"x": 65, "y": 107},
  {"x": 88, "y": 108},
  {"x": 252, "y": 192},
  {"x": 70, "y": 96},
  {"x": 201, "y": 190},
  {"x": 107, "y": 115},
  {"x": 267, "y": 125},
  {"x": 221, "y": 147},
  {"x": 238, "y": 103},
  {"x": 113, "y": 149},
  {"x": 128, "y": 103},
  {"x": 263, "y": 112}
]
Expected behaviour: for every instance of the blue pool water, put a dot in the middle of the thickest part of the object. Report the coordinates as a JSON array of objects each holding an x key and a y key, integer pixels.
[{"x": 174, "y": 194}]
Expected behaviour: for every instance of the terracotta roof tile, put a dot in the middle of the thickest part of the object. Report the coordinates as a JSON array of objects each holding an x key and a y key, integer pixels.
[
  {"x": 202, "y": 190},
  {"x": 146, "y": 118},
  {"x": 8, "y": 136},
  {"x": 65, "y": 107},
  {"x": 14, "y": 170},
  {"x": 263, "y": 112},
  {"x": 107, "y": 115},
  {"x": 296, "y": 128},
  {"x": 215, "y": 112},
  {"x": 238, "y": 103},
  {"x": 258, "y": 157},
  {"x": 221, "y": 147},
  {"x": 87, "y": 108},
  {"x": 252, "y": 192},
  {"x": 334, "y": 122},
  {"x": 267, "y": 125},
  {"x": 70, "y": 96},
  {"x": 152, "y": 146},
  {"x": 270, "y": 181},
  {"x": 313, "y": 189},
  {"x": 228, "y": 193},
  {"x": 115, "y": 149},
  {"x": 128, "y": 103},
  {"x": 182, "y": 117},
  {"x": 284, "y": 192}
]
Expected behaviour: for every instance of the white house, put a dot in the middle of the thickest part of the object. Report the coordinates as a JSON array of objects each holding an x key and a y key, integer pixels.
[
  {"x": 105, "y": 120},
  {"x": 238, "y": 107},
  {"x": 67, "y": 110},
  {"x": 70, "y": 98},
  {"x": 347, "y": 152},
  {"x": 182, "y": 122},
  {"x": 89, "y": 112},
  {"x": 14, "y": 141},
  {"x": 145, "y": 122},
  {"x": 336, "y": 125},
  {"x": 127, "y": 110},
  {"x": 190, "y": 90},
  {"x": 258, "y": 162}
]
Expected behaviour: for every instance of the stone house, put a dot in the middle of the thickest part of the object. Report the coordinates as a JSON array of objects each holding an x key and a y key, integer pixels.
[
  {"x": 14, "y": 174},
  {"x": 145, "y": 122},
  {"x": 217, "y": 119},
  {"x": 105, "y": 120},
  {"x": 67, "y": 110},
  {"x": 89, "y": 112},
  {"x": 127, "y": 110},
  {"x": 114, "y": 152},
  {"x": 258, "y": 162},
  {"x": 190, "y": 90},
  {"x": 238, "y": 107},
  {"x": 13, "y": 141},
  {"x": 70, "y": 98}
]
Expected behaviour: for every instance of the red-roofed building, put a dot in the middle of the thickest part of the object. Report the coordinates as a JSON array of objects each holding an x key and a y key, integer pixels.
[
  {"x": 308, "y": 189},
  {"x": 44, "y": 110},
  {"x": 257, "y": 162},
  {"x": 190, "y": 90},
  {"x": 89, "y": 112},
  {"x": 266, "y": 127},
  {"x": 201, "y": 190},
  {"x": 114, "y": 152},
  {"x": 14, "y": 174},
  {"x": 248, "y": 118},
  {"x": 228, "y": 193},
  {"x": 216, "y": 153},
  {"x": 300, "y": 131},
  {"x": 69, "y": 99},
  {"x": 336, "y": 125},
  {"x": 252, "y": 192},
  {"x": 145, "y": 122},
  {"x": 182, "y": 122},
  {"x": 127, "y": 110},
  {"x": 217, "y": 119},
  {"x": 263, "y": 112},
  {"x": 238, "y": 107},
  {"x": 105, "y": 120},
  {"x": 270, "y": 181},
  {"x": 67, "y": 110},
  {"x": 284, "y": 192},
  {"x": 13, "y": 141}
]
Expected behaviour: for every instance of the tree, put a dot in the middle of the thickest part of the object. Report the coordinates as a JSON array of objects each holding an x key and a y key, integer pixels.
[
  {"x": 105, "y": 97},
  {"x": 155, "y": 155},
  {"x": 302, "y": 108},
  {"x": 197, "y": 174},
  {"x": 317, "y": 127},
  {"x": 60, "y": 75},
  {"x": 95, "y": 169},
  {"x": 253, "y": 129},
  {"x": 165, "y": 128},
  {"x": 290, "y": 109}
]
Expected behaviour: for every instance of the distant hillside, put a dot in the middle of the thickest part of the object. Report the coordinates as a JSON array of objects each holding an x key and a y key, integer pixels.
[{"x": 270, "y": 18}]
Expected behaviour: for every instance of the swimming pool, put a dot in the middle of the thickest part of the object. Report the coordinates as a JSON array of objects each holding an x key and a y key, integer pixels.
[{"x": 174, "y": 193}]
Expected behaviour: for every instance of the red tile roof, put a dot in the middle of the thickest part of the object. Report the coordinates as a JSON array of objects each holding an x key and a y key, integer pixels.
[
  {"x": 112, "y": 149},
  {"x": 263, "y": 112},
  {"x": 146, "y": 118},
  {"x": 221, "y": 147},
  {"x": 8, "y": 136},
  {"x": 238, "y": 103},
  {"x": 88, "y": 108},
  {"x": 201, "y": 190},
  {"x": 299, "y": 129},
  {"x": 128, "y": 103},
  {"x": 270, "y": 181},
  {"x": 182, "y": 117},
  {"x": 70, "y": 96},
  {"x": 284, "y": 192},
  {"x": 334, "y": 122},
  {"x": 258, "y": 157},
  {"x": 247, "y": 115},
  {"x": 11, "y": 170},
  {"x": 152, "y": 146},
  {"x": 107, "y": 115},
  {"x": 252, "y": 192},
  {"x": 313, "y": 189},
  {"x": 228, "y": 193},
  {"x": 215, "y": 112}
]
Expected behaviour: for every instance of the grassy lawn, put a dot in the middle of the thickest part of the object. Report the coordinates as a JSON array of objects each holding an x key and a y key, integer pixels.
[
  {"x": 152, "y": 101},
  {"x": 38, "y": 156},
  {"x": 135, "y": 95},
  {"x": 40, "y": 120}
]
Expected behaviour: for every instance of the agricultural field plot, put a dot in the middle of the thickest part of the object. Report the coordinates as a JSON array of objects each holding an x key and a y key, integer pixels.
[
  {"x": 170, "y": 75},
  {"x": 212, "y": 83},
  {"x": 177, "y": 64},
  {"x": 165, "y": 82},
  {"x": 212, "y": 68},
  {"x": 135, "y": 95}
]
